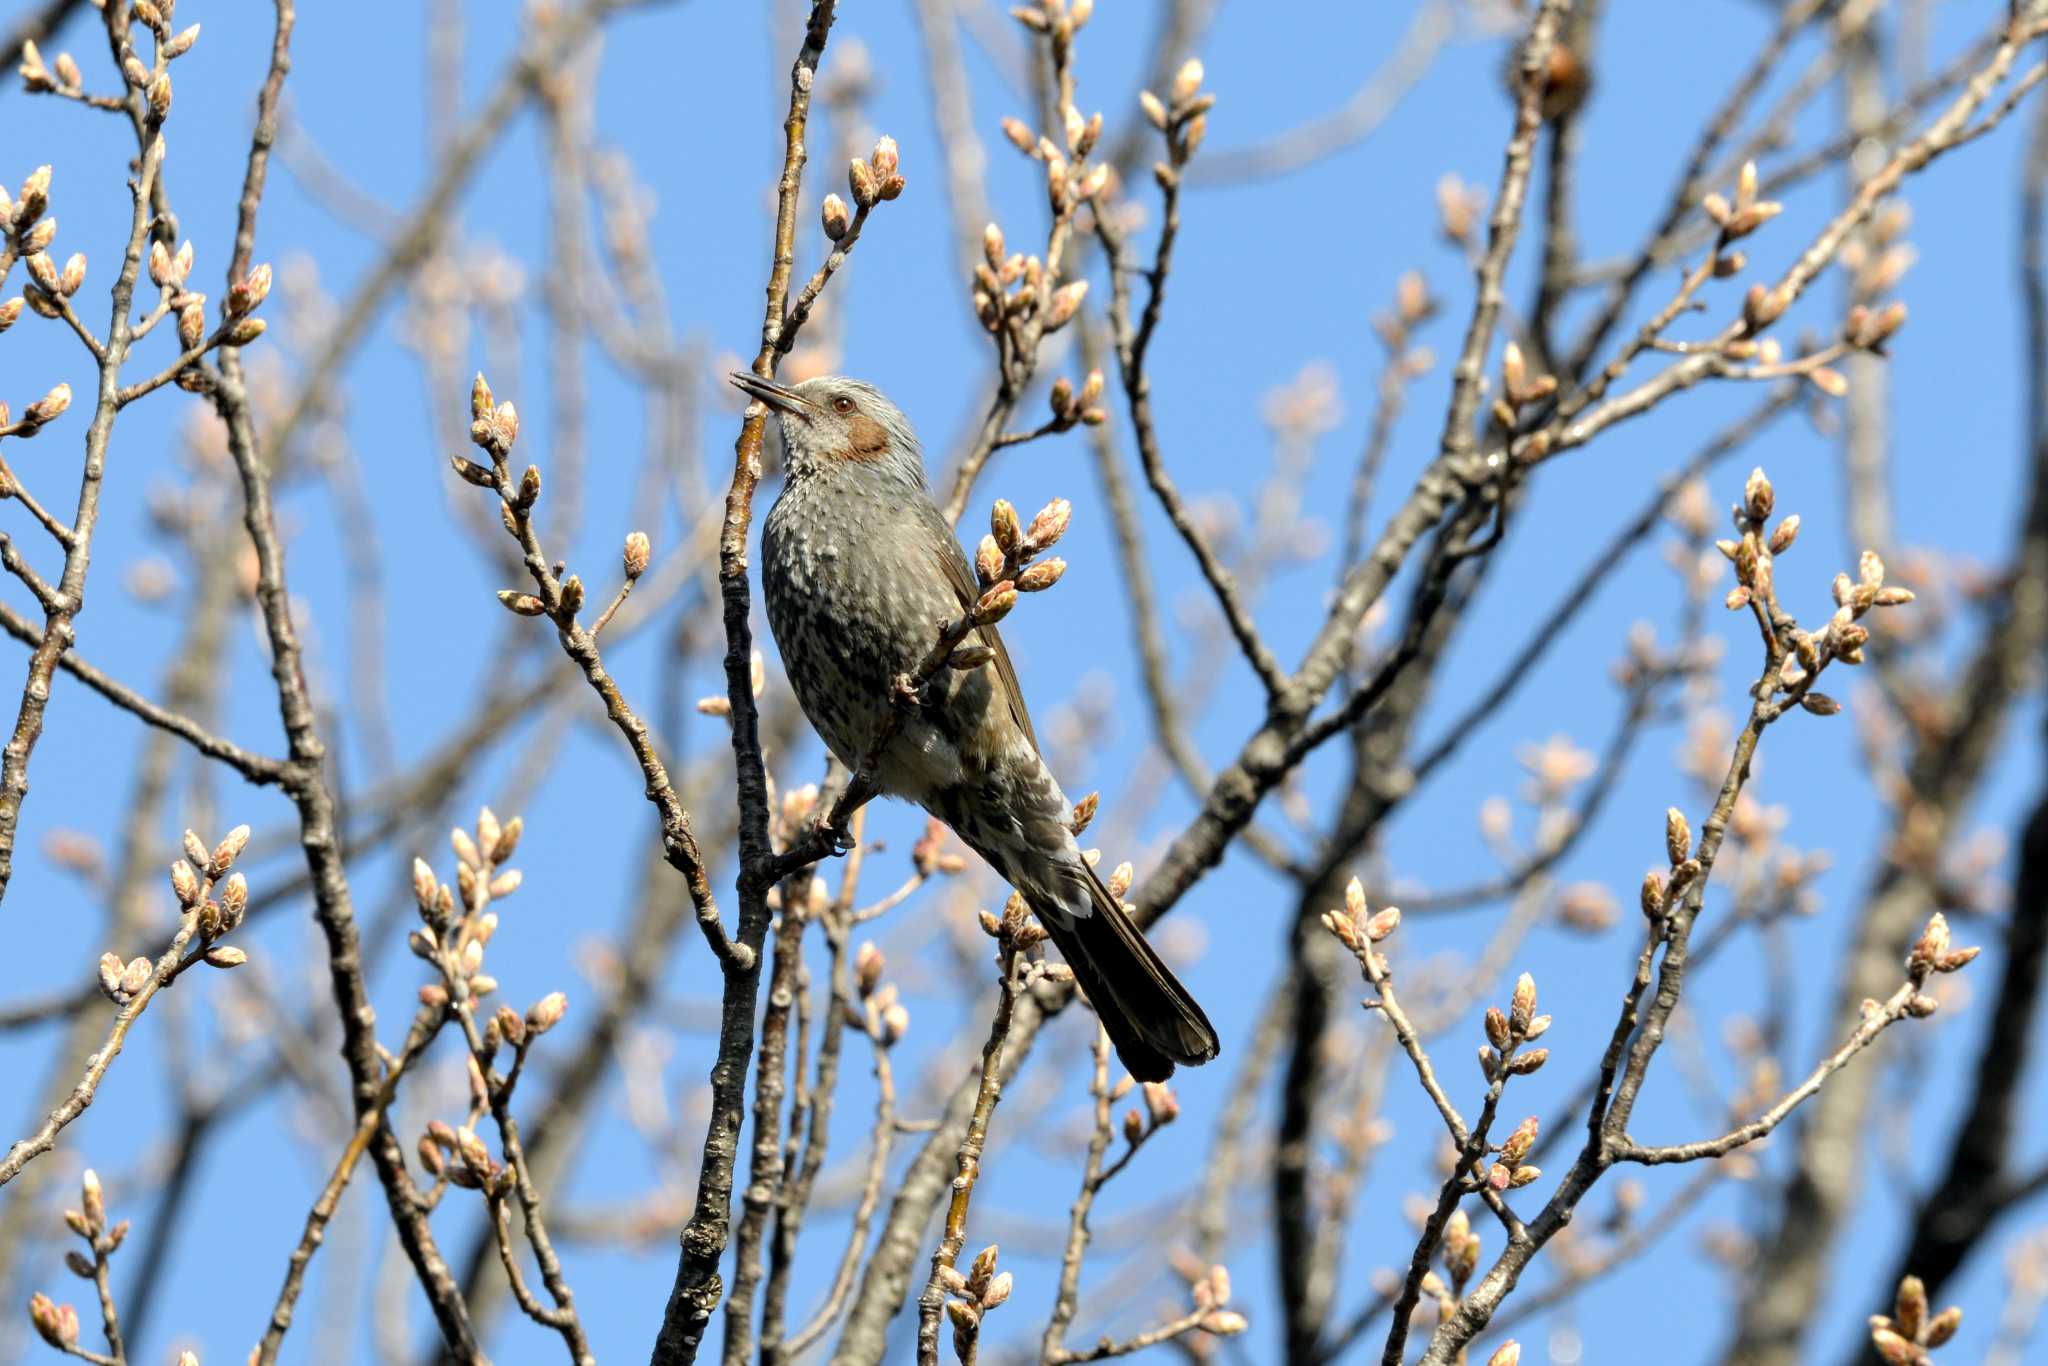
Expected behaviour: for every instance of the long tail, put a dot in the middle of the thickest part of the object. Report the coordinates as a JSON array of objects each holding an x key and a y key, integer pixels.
[{"x": 1149, "y": 1015}]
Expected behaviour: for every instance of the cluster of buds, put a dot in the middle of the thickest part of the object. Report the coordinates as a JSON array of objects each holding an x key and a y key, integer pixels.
[
  {"x": 1506, "y": 1032},
  {"x": 123, "y": 982},
  {"x": 493, "y": 428},
  {"x": 1742, "y": 217},
  {"x": 1518, "y": 388},
  {"x": 53, "y": 282},
  {"x": 1844, "y": 636},
  {"x": 1662, "y": 890},
  {"x": 1459, "y": 1250},
  {"x": 870, "y": 181},
  {"x": 1909, "y": 1333},
  {"x": 885, "y": 1018},
  {"x": 1879, "y": 259},
  {"x": 1069, "y": 180},
  {"x": 57, "y": 1324},
  {"x": 970, "y": 1296},
  {"x": 21, "y": 218},
  {"x": 1358, "y": 928},
  {"x": 30, "y": 234},
  {"x": 1932, "y": 953},
  {"x": 203, "y": 880},
  {"x": 1009, "y": 288},
  {"x": 61, "y": 77},
  {"x": 1057, "y": 19},
  {"x": 1161, "y": 1108},
  {"x": 1070, "y": 408},
  {"x": 1183, "y": 116},
  {"x": 1507, "y": 1171},
  {"x": 1210, "y": 1291},
  {"x": 454, "y": 943},
  {"x": 208, "y": 891},
  {"x": 931, "y": 857},
  {"x": 1014, "y": 926},
  {"x": 1868, "y": 329},
  {"x": 1413, "y": 306},
  {"x": 33, "y": 418},
  {"x": 1083, "y": 814},
  {"x": 1807, "y": 652},
  {"x": 1761, "y": 306},
  {"x": 461, "y": 1156},
  {"x": 1004, "y": 565},
  {"x": 247, "y": 294},
  {"x": 155, "y": 15}
]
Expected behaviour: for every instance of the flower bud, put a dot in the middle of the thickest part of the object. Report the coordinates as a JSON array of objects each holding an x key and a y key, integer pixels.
[
  {"x": 185, "y": 883},
  {"x": 637, "y": 553},
  {"x": 249, "y": 292},
  {"x": 1049, "y": 525},
  {"x": 995, "y": 604},
  {"x": 50, "y": 405},
  {"x": 1042, "y": 576},
  {"x": 867, "y": 968},
  {"x": 832, "y": 214},
  {"x": 1066, "y": 301},
  {"x": 883, "y": 159},
  {"x": 110, "y": 976},
  {"x": 1677, "y": 835},
  {"x": 1761, "y": 307},
  {"x": 56, "y": 1324},
  {"x": 1522, "y": 1005},
  {"x": 861, "y": 182},
  {"x": 1003, "y": 524}
]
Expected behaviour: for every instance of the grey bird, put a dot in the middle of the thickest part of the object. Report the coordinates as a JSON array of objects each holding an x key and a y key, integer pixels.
[{"x": 858, "y": 569}]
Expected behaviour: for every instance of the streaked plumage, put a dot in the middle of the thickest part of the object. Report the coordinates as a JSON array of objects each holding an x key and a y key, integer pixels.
[{"x": 858, "y": 570}]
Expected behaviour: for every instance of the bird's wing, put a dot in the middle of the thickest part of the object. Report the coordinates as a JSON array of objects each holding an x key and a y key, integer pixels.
[{"x": 953, "y": 564}]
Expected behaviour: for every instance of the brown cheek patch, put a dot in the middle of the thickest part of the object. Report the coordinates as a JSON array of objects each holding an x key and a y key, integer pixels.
[{"x": 865, "y": 438}]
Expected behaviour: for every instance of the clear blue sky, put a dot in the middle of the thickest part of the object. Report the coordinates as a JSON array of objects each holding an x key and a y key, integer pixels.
[{"x": 1270, "y": 276}]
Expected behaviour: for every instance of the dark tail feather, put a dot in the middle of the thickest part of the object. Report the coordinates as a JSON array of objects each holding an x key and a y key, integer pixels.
[{"x": 1148, "y": 1014}]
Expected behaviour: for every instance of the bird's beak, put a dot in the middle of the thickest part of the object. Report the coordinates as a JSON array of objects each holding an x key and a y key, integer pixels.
[{"x": 779, "y": 397}]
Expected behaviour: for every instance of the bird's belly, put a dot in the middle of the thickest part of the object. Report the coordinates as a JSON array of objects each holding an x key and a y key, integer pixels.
[{"x": 843, "y": 656}]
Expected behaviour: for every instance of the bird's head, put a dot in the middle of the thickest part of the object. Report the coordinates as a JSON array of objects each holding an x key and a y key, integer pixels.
[{"x": 832, "y": 422}]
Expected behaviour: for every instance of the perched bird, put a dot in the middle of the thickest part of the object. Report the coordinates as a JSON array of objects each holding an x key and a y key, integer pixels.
[{"x": 859, "y": 570}]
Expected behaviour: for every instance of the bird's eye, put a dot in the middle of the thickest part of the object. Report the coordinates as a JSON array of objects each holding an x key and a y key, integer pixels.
[{"x": 842, "y": 404}]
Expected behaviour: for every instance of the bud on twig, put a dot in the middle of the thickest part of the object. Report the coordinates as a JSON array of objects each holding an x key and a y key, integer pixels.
[
  {"x": 833, "y": 216},
  {"x": 1677, "y": 836}
]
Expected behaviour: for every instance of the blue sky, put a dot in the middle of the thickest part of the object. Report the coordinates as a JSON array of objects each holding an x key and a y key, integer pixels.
[{"x": 1271, "y": 276}]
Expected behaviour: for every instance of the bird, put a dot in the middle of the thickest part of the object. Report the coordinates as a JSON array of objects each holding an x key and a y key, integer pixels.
[{"x": 859, "y": 569}]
